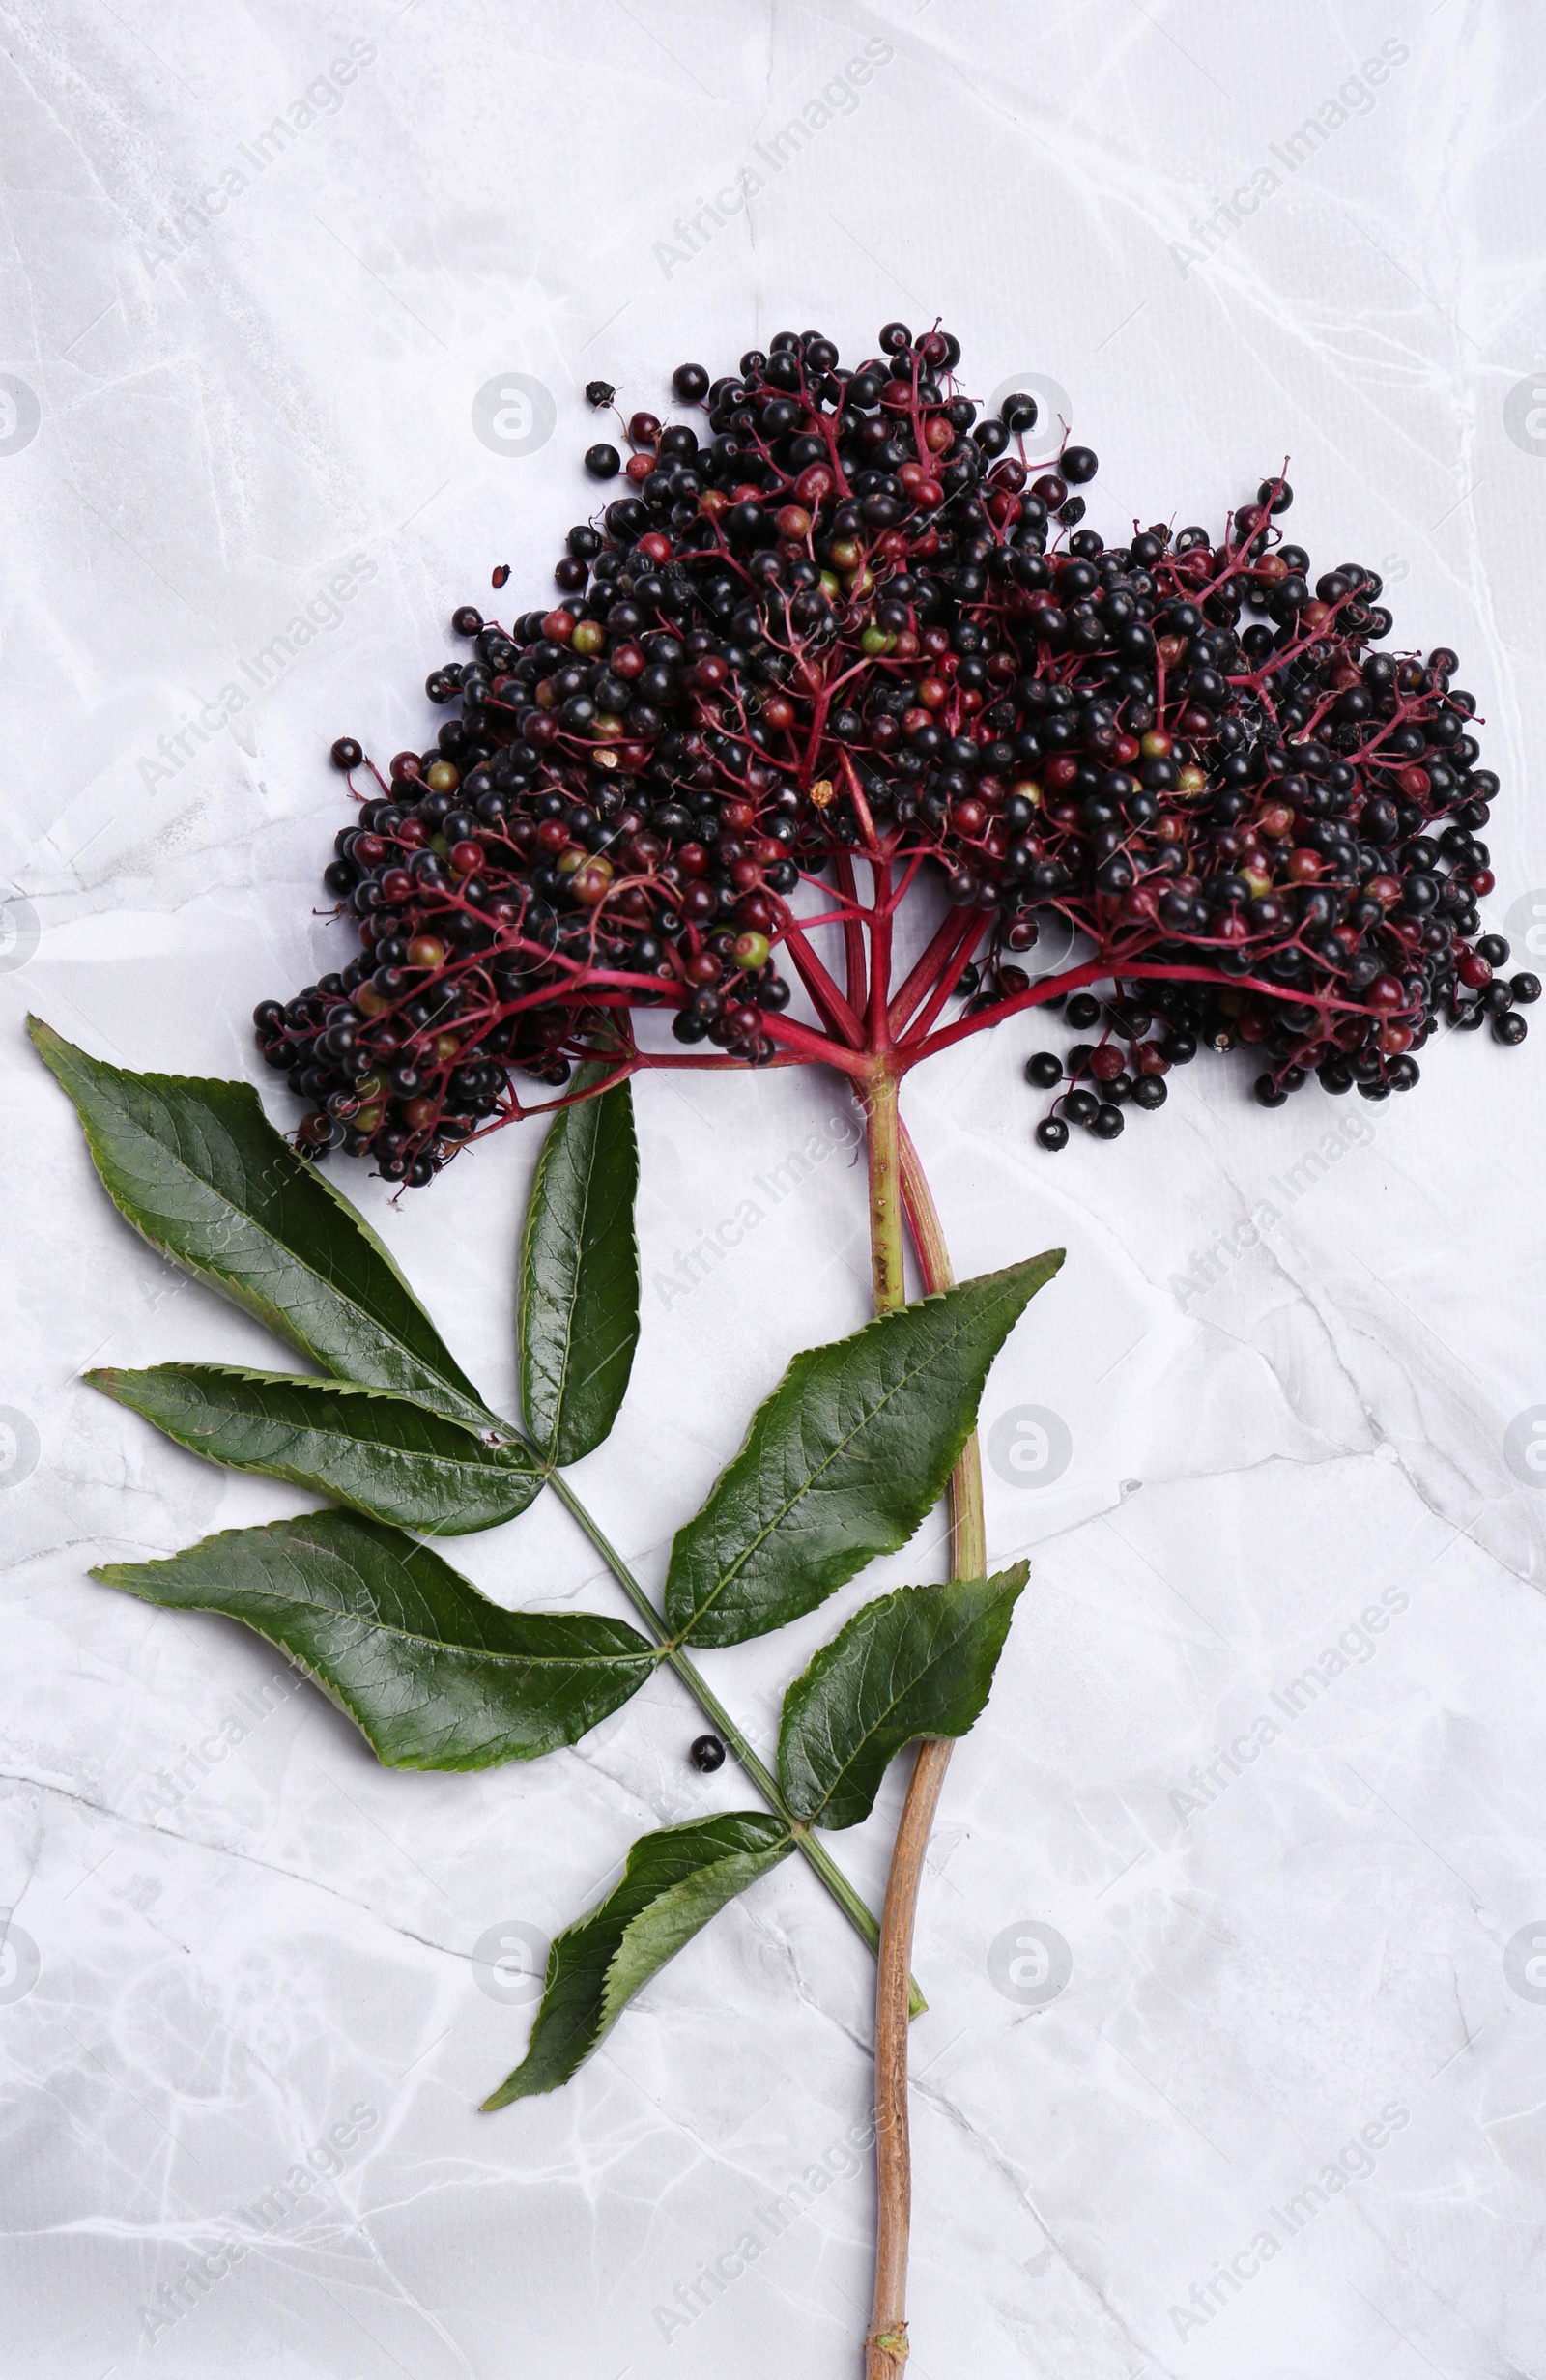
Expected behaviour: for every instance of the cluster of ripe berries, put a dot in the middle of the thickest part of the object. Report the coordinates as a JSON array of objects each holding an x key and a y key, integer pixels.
[{"x": 842, "y": 617}]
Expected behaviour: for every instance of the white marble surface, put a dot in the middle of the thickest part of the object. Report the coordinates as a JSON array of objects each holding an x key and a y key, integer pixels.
[{"x": 225, "y": 417}]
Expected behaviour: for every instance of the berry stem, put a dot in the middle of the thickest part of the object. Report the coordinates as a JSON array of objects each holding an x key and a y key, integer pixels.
[
  {"x": 896, "y": 1181},
  {"x": 858, "y": 1914},
  {"x": 883, "y": 1126}
]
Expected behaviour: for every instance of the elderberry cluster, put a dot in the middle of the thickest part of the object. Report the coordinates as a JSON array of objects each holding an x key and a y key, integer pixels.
[{"x": 840, "y": 618}]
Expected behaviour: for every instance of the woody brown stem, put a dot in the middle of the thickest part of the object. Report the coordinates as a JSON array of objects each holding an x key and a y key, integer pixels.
[{"x": 897, "y": 1183}]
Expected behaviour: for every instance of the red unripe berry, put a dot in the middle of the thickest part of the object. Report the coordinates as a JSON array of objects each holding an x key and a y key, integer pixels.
[
  {"x": 465, "y": 856},
  {"x": 1106, "y": 1064},
  {"x": 1385, "y": 992},
  {"x": 654, "y": 547},
  {"x": 643, "y": 429},
  {"x": 1413, "y": 782},
  {"x": 738, "y": 816},
  {"x": 406, "y": 764},
  {"x": 1482, "y": 881},
  {"x": 709, "y": 672},
  {"x": 638, "y": 467},
  {"x": 778, "y": 711},
  {"x": 557, "y": 627},
  {"x": 1303, "y": 867},
  {"x": 794, "y": 523},
  {"x": 693, "y": 859},
  {"x": 968, "y": 815},
  {"x": 397, "y": 885},
  {"x": 626, "y": 662},
  {"x": 1473, "y": 972},
  {"x": 419, "y": 1114},
  {"x": 814, "y": 483},
  {"x": 755, "y": 911},
  {"x": 928, "y": 495}
]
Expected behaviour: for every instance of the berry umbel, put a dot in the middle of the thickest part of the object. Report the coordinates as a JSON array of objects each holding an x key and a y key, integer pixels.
[{"x": 840, "y": 623}]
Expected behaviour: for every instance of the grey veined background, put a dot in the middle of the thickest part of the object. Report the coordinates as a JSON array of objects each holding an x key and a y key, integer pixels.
[{"x": 1235, "y": 1930}]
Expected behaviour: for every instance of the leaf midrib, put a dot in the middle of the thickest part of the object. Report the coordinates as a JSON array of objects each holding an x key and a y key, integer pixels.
[
  {"x": 727, "y": 1577},
  {"x": 550, "y": 1449},
  {"x": 479, "y": 1461},
  {"x": 435, "y": 1644}
]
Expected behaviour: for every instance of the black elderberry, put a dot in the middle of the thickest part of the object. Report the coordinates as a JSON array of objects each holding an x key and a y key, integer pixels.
[
  {"x": 602, "y": 461},
  {"x": 1526, "y": 988},
  {"x": 1052, "y": 1133},
  {"x": 1509, "y": 1028},
  {"x": 1081, "y": 1106},
  {"x": 345, "y": 753},
  {"x": 707, "y": 1754},
  {"x": 600, "y": 392},
  {"x": 1043, "y": 1070},
  {"x": 1149, "y": 1091},
  {"x": 1107, "y": 1121}
]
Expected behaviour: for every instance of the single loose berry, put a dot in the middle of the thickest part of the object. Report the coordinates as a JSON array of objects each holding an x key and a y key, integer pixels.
[
  {"x": 598, "y": 393},
  {"x": 708, "y": 1753},
  {"x": 1043, "y": 1070},
  {"x": 345, "y": 753},
  {"x": 690, "y": 382},
  {"x": 1509, "y": 1028},
  {"x": 603, "y": 462},
  {"x": 1526, "y": 988}
]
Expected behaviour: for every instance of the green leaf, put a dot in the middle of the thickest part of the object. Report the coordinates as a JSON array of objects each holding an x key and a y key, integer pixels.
[
  {"x": 434, "y": 1673},
  {"x": 199, "y": 1170},
  {"x": 919, "y": 1662},
  {"x": 579, "y": 1314},
  {"x": 675, "y": 1883},
  {"x": 844, "y": 1460},
  {"x": 384, "y": 1455}
]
